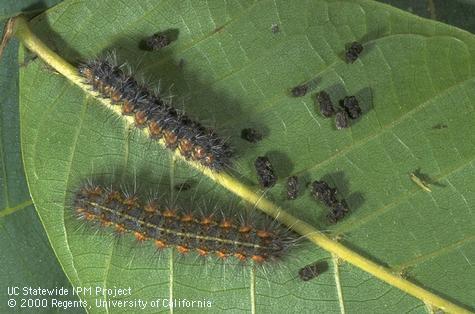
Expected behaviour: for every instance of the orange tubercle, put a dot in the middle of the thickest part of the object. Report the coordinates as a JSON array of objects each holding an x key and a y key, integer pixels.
[
  {"x": 127, "y": 108},
  {"x": 154, "y": 129},
  {"x": 264, "y": 234},
  {"x": 114, "y": 196},
  {"x": 202, "y": 252},
  {"x": 119, "y": 228},
  {"x": 245, "y": 229},
  {"x": 221, "y": 255},
  {"x": 226, "y": 224},
  {"x": 151, "y": 207},
  {"x": 240, "y": 256},
  {"x": 140, "y": 118},
  {"x": 94, "y": 191},
  {"x": 87, "y": 73},
  {"x": 160, "y": 244},
  {"x": 140, "y": 236},
  {"x": 185, "y": 146},
  {"x": 207, "y": 220},
  {"x": 258, "y": 259},
  {"x": 89, "y": 216},
  {"x": 168, "y": 213},
  {"x": 170, "y": 138},
  {"x": 208, "y": 160},
  {"x": 116, "y": 96},
  {"x": 187, "y": 218},
  {"x": 182, "y": 249},
  {"x": 198, "y": 152},
  {"x": 105, "y": 223},
  {"x": 131, "y": 201}
]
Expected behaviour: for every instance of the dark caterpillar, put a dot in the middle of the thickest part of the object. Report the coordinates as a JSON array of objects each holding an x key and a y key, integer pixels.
[{"x": 151, "y": 111}]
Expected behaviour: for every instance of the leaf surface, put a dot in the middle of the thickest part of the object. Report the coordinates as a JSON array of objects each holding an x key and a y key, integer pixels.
[
  {"x": 27, "y": 258},
  {"x": 457, "y": 12},
  {"x": 10, "y": 8},
  {"x": 414, "y": 80}
]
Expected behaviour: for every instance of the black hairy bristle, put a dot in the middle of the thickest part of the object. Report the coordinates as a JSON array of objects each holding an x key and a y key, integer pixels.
[{"x": 265, "y": 172}]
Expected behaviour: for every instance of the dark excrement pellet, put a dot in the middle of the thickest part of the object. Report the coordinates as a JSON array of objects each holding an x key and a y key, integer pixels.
[
  {"x": 321, "y": 191},
  {"x": 292, "y": 187},
  {"x": 265, "y": 172},
  {"x": 440, "y": 126},
  {"x": 351, "y": 106},
  {"x": 156, "y": 42},
  {"x": 342, "y": 120},
  {"x": 251, "y": 135},
  {"x": 311, "y": 271},
  {"x": 326, "y": 105},
  {"x": 300, "y": 90},
  {"x": 275, "y": 28},
  {"x": 353, "y": 51},
  {"x": 338, "y": 211},
  {"x": 327, "y": 195}
]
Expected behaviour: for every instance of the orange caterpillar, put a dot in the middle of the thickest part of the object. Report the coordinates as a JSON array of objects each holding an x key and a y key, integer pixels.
[{"x": 206, "y": 235}]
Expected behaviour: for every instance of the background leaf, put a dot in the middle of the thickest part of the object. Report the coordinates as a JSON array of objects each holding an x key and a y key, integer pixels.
[
  {"x": 414, "y": 80},
  {"x": 456, "y": 12},
  {"x": 10, "y": 8},
  {"x": 27, "y": 258}
]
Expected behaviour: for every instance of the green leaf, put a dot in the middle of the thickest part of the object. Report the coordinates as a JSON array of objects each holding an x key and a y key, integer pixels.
[
  {"x": 414, "y": 80},
  {"x": 27, "y": 259},
  {"x": 13, "y": 7},
  {"x": 455, "y": 12}
]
